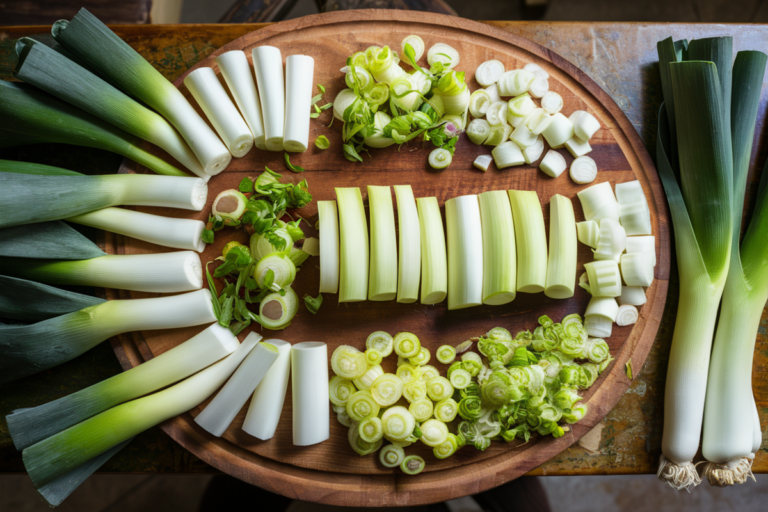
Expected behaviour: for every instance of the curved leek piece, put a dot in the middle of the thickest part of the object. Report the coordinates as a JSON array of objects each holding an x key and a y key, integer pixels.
[
  {"x": 277, "y": 311},
  {"x": 479, "y": 102},
  {"x": 604, "y": 278},
  {"x": 560, "y": 129},
  {"x": 446, "y": 410},
  {"x": 588, "y": 232},
  {"x": 448, "y": 448},
  {"x": 268, "y": 66},
  {"x": 329, "y": 246},
  {"x": 267, "y": 401},
  {"x": 627, "y": 315},
  {"x": 421, "y": 409},
  {"x": 585, "y": 126},
  {"x": 103, "y": 50},
  {"x": 583, "y": 168},
  {"x": 406, "y": 344},
  {"x": 172, "y": 232},
  {"x": 561, "y": 266},
  {"x": 361, "y": 406},
  {"x": 400, "y": 87},
  {"x": 387, "y": 389},
  {"x": 434, "y": 433},
  {"x": 371, "y": 430},
  {"x": 220, "y": 412},
  {"x": 230, "y": 205},
  {"x": 537, "y": 121},
  {"x": 465, "y": 252},
  {"x": 49, "y": 240},
  {"x": 382, "y": 284},
  {"x": 237, "y": 73},
  {"x": 409, "y": 246},
  {"x": 515, "y": 82},
  {"x": 523, "y": 136},
  {"x": 343, "y": 99},
  {"x": 446, "y": 354},
  {"x": 309, "y": 382},
  {"x": 552, "y": 102},
  {"x": 363, "y": 77},
  {"x": 67, "y": 196},
  {"x": 611, "y": 242},
  {"x": 340, "y": 389},
  {"x": 637, "y": 269},
  {"x": 358, "y": 443},
  {"x": 30, "y": 301},
  {"x": 478, "y": 131},
  {"x": 598, "y": 202},
  {"x": 417, "y": 43},
  {"x": 600, "y": 315},
  {"x": 348, "y": 362},
  {"x": 632, "y": 295},
  {"x": 489, "y": 72},
  {"x": 299, "y": 79},
  {"x": 537, "y": 70},
  {"x": 205, "y": 87},
  {"x": 553, "y": 164},
  {"x": 369, "y": 377},
  {"x": 439, "y": 388},
  {"x": 398, "y": 423},
  {"x": 31, "y": 116},
  {"x": 434, "y": 269},
  {"x": 534, "y": 151},
  {"x": 644, "y": 244},
  {"x": 415, "y": 390},
  {"x": 50, "y": 71},
  {"x": 60, "y": 453},
  {"x": 168, "y": 272},
  {"x": 597, "y": 350},
  {"x": 380, "y": 341},
  {"x": 29, "y": 426},
  {"x": 261, "y": 246},
  {"x": 496, "y": 115},
  {"x": 282, "y": 269},
  {"x": 353, "y": 230},
  {"x": 531, "y": 242},
  {"x": 391, "y": 456}
]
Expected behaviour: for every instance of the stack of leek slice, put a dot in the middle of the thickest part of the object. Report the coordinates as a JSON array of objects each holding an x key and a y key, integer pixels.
[{"x": 513, "y": 389}]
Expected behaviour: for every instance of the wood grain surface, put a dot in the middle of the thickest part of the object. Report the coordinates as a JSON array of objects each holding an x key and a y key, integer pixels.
[{"x": 330, "y": 472}]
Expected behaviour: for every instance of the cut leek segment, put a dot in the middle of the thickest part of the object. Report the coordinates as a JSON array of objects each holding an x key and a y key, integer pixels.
[
  {"x": 611, "y": 242},
  {"x": 277, "y": 311},
  {"x": 498, "y": 135},
  {"x": 637, "y": 269},
  {"x": 534, "y": 151},
  {"x": 409, "y": 246},
  {"x": 531, "y": 242},
  {"x": 604, "y": 278},
  {"x": 552, "y": 102},
  {"x": 417, "y": 43},
  {"x": 520, "y": 106},
  {"x": 499, "y": 253},
  {"x": 585, "y": 126},
  {"x": 479, "y": 102},
  {"x": 267, "y": 402},
  {"x": 538, "y": 121},
  {"x": 465, "y": 252},
  {"x": 523, "y": 136},
  {"x": 627, "y": 315},
  {"x": 561, "y": 266},
  {"x": 482, "y": 162},
  {"x": 589, "y": 232},
  {"x": 30, "y": 301},
  {"x": 353, "y": 230},
  {"x": 507, "y": 154},
  {"x": 239, "y": 77},
  {"x": 31, "y": 117},
  {"x": 489, "y": 72},
  {"x": 515, "y": 82},
  {"x": 434, "y": 268},
  {"x": 309, "y": 383},
  {"x": 600, "y": 315},
  {"x": 478, "y": 131},
  {"x": 539, "y": 87},
  {"x": 299, "y": 78},
  {"x": 348, "y": 362},
  {"x": 282, "y": 268},
  {"x": 536, "y": 70},
  {"x": 559, "y": 130},
  {"x": 380, "y": 341},
  {"x": 49, "y": 240},
  {"x": 406, "y": 345},
  {"x": 646, "y": 244},
  {"x": 493, "y": 92},
  {"x": 598, "y": 202},
  {"x": 329, "y": 246},
  {"x": 577, "y": 147},
  {"x": 104, "y": 51},
  {"x": 444, "y": 54},
  {"x": 553, "y": 164},
  {"x": 632, "y": 295},
  {"x": 268, "y": 66},
  {"x": 496, "y": 114},
  {"x": 583, "y": 168},
  {"x": 382, "y": 284},
  {"x": 633, "y": 207},
  {"x": 29, "y": 349}
]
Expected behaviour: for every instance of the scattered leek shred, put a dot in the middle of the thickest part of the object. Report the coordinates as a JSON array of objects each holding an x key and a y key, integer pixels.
[
  {"x": 629, "y": 369},
  {"x": 322, "y": 142},
  {"x": 313, "y": 303}
]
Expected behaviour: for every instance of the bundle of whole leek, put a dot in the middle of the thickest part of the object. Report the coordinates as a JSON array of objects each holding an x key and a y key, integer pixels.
[{"x": 706, "y": 126}]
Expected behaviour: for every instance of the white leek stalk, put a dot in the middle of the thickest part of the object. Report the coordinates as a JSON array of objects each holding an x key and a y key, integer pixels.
[
  {"x": 444, "y": 54},
  {"x": 604, "y": 278},
  {"x": 598, "y": 202},
  {"x": 409, "y": 246},
  {"x": 585, "y": 126},
  {"x": 382, "y": 284},
  {"x": 220, "y": 412},
  {"x": 646, "y": 244},
  {"x": 309, "y": 378},
  {"x": 553, "y": 164},
  {"x": 489, "y": 72},
  {"x": 353, "y": 230},
  {"x": 588, "y": 232},
  {"x": 577, "y": 147},
  {"x": 482, "y": 162},
  {"x": 637, "y": 269},
  {"x": 560, "y": 129},
  {"x": 220, "y": 111},
  {"x": 329, "y": 246},
  {"x": 465, "y": 252},
  {"x": 434, "y": 269},
  {"x": 531, "y": 242},
  {"x": 583, "y": 168},
  {"x": 535, "y": 150},
  {"x": 267, "y": 402},
  {"x": 626, "y": 315},
  {"x": 632, "y": 296},
  {"x": 299, "y": 79},
  {"x": 29, "y": 426},
  {"x": 611, "y": 242},
  {"x": 507, "y": 154},
  {"x": 268, "y": 66},
  {"x": 600, "y": 315},
  {"x": 177, "y": 233},
  {"x": 552, "y": 102},
  {"x": 561, "y": 267},
  {"x": 239, "y": 77},
  {"x": 58, "y": 454},
  {"x": 499, "y": 253}
]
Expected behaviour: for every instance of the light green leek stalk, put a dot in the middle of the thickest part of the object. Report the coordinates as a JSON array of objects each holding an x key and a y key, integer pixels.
[
  {"x": 499, "y": 253},
  {"x": 30, "y": 301},
  {"x": 58, "y": 454},
  {"x": 701, "y": 215},
  {"x": 561, "y": 267},
  {"x": 353, "y": 237},
  {"x": 729, "y": 404},
  {"x": 409, "y": 245},
  {"x": 531, "y": 241},
  {"x": 434, "y": 266},
  {"x": 32, "y": 117},
  {"x": 382, "y": 284},
  {"x": 465, "y": 252},
  {"x": 30, "y": 426},
  {"x": 102, "y": 49},
  {"x": 49, "y": 240},
  {"x": 48, "y": 70},
  {"x": 29, "y": 349}
]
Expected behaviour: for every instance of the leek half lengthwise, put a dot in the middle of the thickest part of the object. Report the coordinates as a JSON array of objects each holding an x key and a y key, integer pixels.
[
  {"x": 561, "y": 266},
  {"x": 60, "y": 453},
  {"x": 31, "y": 117},
  {"x": 382, "y": 284},
  {"x": 30, "y": 301},
  {"x": 531, "y": 238},
  {"x": 409, "y": 245},
  {"x": 353, "y": 237},
  {"x": 328, "y": 220},
  {"x": 434, "y": 265},
  {"x": 465, "y": 252},
  {"x": 30, "y": 426},
  {"x": 499, "y": 254},
  {"x": 701, "y": 215},
  {"x": 104, "y": 51},
  {"x": 28, "y": 349}
]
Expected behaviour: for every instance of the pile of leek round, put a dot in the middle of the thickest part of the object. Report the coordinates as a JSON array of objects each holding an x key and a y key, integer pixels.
[{"x": 514, "y": 388}]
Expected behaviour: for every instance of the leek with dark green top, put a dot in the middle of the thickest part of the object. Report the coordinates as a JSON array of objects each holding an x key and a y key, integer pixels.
[{"x": 30, "y": 301}]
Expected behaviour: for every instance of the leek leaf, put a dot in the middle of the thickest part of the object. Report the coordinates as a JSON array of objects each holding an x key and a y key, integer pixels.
[
  {"x": 291, "y": 167},
  {"x": 670, "y": 51},
  {"x": 27, "y": 300},
  {"x": 47, "y": 240},
  {"x": 313, "y": 303},
  {"x": 718, "y": 50},
  {"x": 35, "y": 169}
]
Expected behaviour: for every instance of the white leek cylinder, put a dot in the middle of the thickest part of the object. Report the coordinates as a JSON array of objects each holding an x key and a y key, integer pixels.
[
  {"x": 646, "y": 244},
  {"x": 409, "y": 246},
  {"x": 267, "y": 402},
  {"x": 637, "y": 269},
  {"x": 309, "y": 381},
  {"x": 221, "y": 112},
  {"x": 382, "y": 284},
  {"x": 560, "y": 129},
  {"x": 237, "y": 72},
  {"x": 353, "y": 237},
  {"x": 268, "y": 65},
  {"x": 329, "y": 246},
  {"x": 178, "y": 233},
  {"x": 585, "y": 126},
  {"x": 561, "y": 267},
  {"x": 577, "y": 147},
  {"x": 299, "y": 78},
  {"x": 499, "y": 255},
  {"x": 600, "y": 315},
  {"x": 531, "y": 241},
  {"x": 220, "y": 412},
  {"x": 465, "y": 252},
  {"x": 434, "y": 267}
]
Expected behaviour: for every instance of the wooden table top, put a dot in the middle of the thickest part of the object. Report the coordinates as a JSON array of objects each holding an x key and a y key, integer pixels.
[{"x": 620, "y": 57}]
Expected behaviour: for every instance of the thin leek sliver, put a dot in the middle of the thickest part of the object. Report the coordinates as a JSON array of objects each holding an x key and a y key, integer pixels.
[
  {"x": 531, "y": 241},
  {"x": 499, "y": 252},
  {"x": 409, "y": 246},
  {"x": 220, "y": 111},
  {"x": 563, "y": 247},
  {"x": 267, "y": 402},
  {"x": 382, "y": 284},
  {"x": 299, "y": 73},
  {"x": 329, "y": 246},
  {"x": 434, "y": 266},
  {"x": 465, "y": 252},
  {"x": 239, "y": 77},
  {"x": 353, "y": 237},
  {"x": 309, "y": 382},
  {"x": 268, "y": 65}
]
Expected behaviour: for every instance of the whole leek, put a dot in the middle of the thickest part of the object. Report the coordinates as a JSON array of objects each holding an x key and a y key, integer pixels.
[{"x": 27, "y": 300}]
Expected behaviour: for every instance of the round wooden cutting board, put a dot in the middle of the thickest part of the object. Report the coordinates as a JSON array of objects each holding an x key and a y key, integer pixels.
[{"x": 331, "y": 472}]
